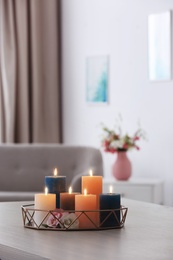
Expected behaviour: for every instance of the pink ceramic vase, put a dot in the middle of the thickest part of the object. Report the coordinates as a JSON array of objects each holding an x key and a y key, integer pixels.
[{"x": 122, "y": 168}]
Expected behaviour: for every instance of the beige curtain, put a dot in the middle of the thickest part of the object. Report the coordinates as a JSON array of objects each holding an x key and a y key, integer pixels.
[{"x": 29, "y": 71}]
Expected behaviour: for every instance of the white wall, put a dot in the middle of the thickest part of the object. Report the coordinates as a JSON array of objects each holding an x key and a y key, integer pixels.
[{"x": 118, "y": 29}]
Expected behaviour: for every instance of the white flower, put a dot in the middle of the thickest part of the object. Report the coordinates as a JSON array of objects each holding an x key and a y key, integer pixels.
[
  {"x": 117, "y": 144},
  {"x": 68, "y": 221}
]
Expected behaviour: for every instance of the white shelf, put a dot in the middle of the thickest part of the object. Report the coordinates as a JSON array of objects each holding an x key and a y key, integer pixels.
[{"x": 149, "y": 190}]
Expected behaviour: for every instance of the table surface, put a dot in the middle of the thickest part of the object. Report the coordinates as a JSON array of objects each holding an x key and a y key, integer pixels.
[{"x": 147, "y": 234}]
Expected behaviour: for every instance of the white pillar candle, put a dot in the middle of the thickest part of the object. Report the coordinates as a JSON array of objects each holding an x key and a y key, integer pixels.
[{"x": 44, "y": 202}]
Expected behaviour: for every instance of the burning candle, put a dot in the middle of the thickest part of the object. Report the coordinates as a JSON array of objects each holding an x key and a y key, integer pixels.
[
  {"x": 93, "y": 185},
  {"x": 43, "y": 201},
  {"x": 109, "y": 202},
  {"x": 67, "y": 200},
  {"x": 83, "y": 203},
  {"x": 56, "y": 184}
]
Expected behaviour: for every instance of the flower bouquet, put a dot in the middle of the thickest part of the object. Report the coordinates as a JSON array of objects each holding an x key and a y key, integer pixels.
[{"x": 114, "y": 141}]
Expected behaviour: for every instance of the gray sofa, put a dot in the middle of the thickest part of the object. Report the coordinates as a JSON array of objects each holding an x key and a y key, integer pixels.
[{"x": 23, "y": 167}]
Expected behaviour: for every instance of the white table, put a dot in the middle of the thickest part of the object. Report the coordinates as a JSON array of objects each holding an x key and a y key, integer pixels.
[
  {"x": 147, "y": 234},
  {"x": 143, "y": 189}
]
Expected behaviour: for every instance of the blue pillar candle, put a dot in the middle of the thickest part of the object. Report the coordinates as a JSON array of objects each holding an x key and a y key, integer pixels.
[
  {"x": 109, "y": 202},
  {"x": 56, "y": 184}
]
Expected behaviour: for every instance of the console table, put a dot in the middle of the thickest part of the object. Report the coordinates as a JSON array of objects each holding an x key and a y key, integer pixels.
[
  {"x": 147, "y": 234},
  {"x": 149, "y": 190}
]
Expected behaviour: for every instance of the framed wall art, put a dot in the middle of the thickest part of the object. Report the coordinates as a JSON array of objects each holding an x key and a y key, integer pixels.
[
  {"x": 159, "y": 46},
  {"x": 97, "y": 79}
]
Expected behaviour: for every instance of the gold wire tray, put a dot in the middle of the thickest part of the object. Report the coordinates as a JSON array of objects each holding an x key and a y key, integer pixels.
[{"x": 63, "y": 220}]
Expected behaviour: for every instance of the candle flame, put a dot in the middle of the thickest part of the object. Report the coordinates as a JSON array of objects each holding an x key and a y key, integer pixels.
[
  {"x": 85, "y": 192},
  {"x": 55, "y": 173},
  {"x": 90, "y": 172},
  {"x": 110, "y": 189},
  {"x": 46, "y": 190},
  {"x": 70, "y": 190}
]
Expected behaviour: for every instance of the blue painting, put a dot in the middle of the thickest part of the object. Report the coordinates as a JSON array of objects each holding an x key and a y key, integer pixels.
[
  {"x": 97, "y": 79},
  {"x": 159, "y": 46}
]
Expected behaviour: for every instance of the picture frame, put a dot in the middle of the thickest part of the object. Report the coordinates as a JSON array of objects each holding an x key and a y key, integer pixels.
[
  {"x": 159, "y": 46},
  {"x": 97, "y": 79}
]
